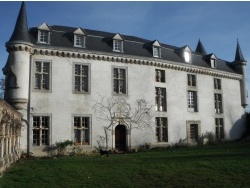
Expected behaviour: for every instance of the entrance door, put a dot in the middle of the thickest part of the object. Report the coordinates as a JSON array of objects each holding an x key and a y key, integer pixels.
[
  {"x": 120, "y": 138},
  {"x": 194, "y": 132}
]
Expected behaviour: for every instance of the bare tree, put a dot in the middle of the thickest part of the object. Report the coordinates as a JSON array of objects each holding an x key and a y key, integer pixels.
[{"x": 114, "y": 110}]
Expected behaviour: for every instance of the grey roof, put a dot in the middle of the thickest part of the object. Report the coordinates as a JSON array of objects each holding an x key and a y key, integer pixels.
[
  {"x": 63, "y": 36},
  {"x": 238, "y": 55},
  {"x": 200, "y": 48},
  {"x": 20, "y": 32}
]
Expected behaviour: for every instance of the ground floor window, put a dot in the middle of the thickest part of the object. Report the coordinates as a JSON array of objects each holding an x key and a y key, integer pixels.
[
  {"x": 81, "y": 130},
  {"x": 161, "y": 129},
  {"x": 41, "y": 125},
  {"x": 194, "y": 132},
  {"x": 219, "y": 128}
]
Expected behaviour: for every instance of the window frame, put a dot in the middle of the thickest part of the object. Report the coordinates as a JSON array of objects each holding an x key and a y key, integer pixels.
[
  {"x": 219, "y": 128},
  {"x": 191, "y": 80},
  {"x": 83, "y": 143},
  {"x": 161, "y": 123},
  {"x": 49, "y": 136},
  {"x": 119, "y": 80},
  {"x": 192, "y": 101},
  {"x": 41, "y": 73},
  {"x": 213, "y": 63},
  {"x": 83, "y": 41},
  {"x": 160, "y": 104},
  {"x": 81, "y": 76},
  {"x": 218, "y": 103},
  {"x": 161, "y": 78},
  {"x": 43, "y": 39},
  {"x": 187, "y": 56},
  {"x": 217, "y": 84},
  {"x": 156, "y": 52},
  {"x": 120, "y": 48}
]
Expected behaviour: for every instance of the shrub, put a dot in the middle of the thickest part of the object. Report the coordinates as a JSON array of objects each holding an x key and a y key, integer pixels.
[
  {"x": 145, "y": 146},
  {"x": 180, "y": 144},
  {"x": 61, "y": 146}
]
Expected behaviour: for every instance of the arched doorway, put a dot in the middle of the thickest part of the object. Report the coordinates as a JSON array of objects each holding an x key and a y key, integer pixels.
[{"x": 120, "y": 138}]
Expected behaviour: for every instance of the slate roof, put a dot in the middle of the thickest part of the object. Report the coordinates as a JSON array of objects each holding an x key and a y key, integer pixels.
[
  {"x": 20, "y": 32},
  {"x": 238, "y": 55}
]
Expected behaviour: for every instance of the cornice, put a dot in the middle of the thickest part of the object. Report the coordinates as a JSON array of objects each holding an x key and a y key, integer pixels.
[{"x": 123, "y": 58}]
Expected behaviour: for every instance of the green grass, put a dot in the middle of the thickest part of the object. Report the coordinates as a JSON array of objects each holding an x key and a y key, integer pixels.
[{"x": 226, "y": 165}]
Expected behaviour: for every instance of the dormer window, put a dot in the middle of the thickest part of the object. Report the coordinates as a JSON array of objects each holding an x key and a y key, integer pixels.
[
  {"x": 156, "y": 49},
  {"x": 118, "y": 43},
  {"x": 79, "y": 38},
  {"x": 156, "y": 52},
  {"x": 187, "y": 57},
  {"x": 117, "y": 46},
  {"x": 43, "y": 34},
  {"x": 213, "y": 63}
]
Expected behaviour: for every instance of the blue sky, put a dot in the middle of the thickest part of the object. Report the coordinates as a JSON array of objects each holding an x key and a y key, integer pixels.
[{"x": 217, "y": 24}]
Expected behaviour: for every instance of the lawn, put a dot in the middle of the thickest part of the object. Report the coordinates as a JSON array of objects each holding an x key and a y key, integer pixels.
[{"x": 224, "y": 165}]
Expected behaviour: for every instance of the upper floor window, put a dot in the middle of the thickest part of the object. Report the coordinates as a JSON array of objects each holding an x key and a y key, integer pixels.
[
  {"x": 81, "y": 78},
  {"x": 192, "y": 101},
  {"x": 161, "y": 129},
  {"x": 42, "y": 75},
  {"x": 160, "y": 99},
  {"x": 217, "y": 83},
  {"x": 41, "y": 130},
  {"x": 191, "y": 80},
  {"x": 119, "y": 81},
  {"x": 159, "y": 75},
  {"x": 81, "y": 130},
  {"x": 118, "y": 43},
  {"x": 218, "y": 103}
]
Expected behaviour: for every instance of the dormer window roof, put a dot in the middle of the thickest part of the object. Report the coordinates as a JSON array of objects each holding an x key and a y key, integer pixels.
[
  {"x": 211, "y": 59},
  {"x": 118, "y": 43},
  {"x": 44, "y": 34},
  {"x": 80, "y": 38},
  {"x": 185, "y": 53},
  {"x": 156, "y": 49}
]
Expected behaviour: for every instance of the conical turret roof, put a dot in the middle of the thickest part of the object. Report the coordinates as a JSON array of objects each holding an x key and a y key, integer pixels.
[
  {"x": 20, "y": 32},
  {"x": 200, "y": 48},
  {"x": 238, "y": 55}
]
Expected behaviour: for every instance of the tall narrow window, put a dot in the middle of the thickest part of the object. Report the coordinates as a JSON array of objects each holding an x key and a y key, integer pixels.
[
  {"x": 156, "y": 51},
  {"x": 217, "y": 84},
  {"x": 119, "y": 80},
  {"x": 41, "y": 126},
  {"x": 161, "y": 129},
  {"x": 213, "y": 63},
  {"x": 219, "y": 128},
  {"x": 191, "y": 80},
  {"x": 187, "y": 56},
  {"x": 81, "y": 130},
  {"x": 42, "y": 75},
  {"x": 81, "y": 78},
  {"x": 192, "y": 101},
  {"x": 218, "y": 103},
  {"x": 159, "y": 75},
  {"x": 160, "y": 99}
]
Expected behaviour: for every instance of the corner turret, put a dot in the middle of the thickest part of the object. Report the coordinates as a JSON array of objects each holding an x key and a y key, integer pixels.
[{"x": 240, "y": 67}]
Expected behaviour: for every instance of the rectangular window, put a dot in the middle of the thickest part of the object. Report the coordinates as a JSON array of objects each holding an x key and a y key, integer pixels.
[
  {"x": 42, "y": 75},
  {"x": 117, "y": 45},
  {"x": 160, "y": 99},
  {"x": 119, "y": 81},
  {"x": 219, "y": 128},
  {"x": 192, "y": 101},
  {"x": 218, "y": 103},
  {"x": 81, "y": 130},
  {"x": 159, "y": 75},
  {"x": 41, "y": 126},
  {"x": 79, "y": 41},
  {"x": 194, "y": 132},
  {"x": 43, "y": 36},
  {"x": 161, "y": 129},
  {"x": 217, "y": 84},
  {"x": 156, "y": 51},
  {"x": 81, "y": 78},
  {"x": 213, "y": 63},
  {"x": 191, "y": 80}
]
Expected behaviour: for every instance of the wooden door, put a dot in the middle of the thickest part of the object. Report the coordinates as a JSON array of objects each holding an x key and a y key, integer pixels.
[{"x": 120, "y": 138}]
